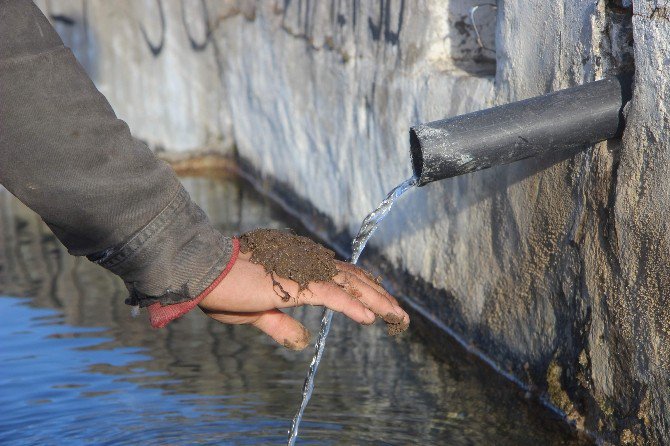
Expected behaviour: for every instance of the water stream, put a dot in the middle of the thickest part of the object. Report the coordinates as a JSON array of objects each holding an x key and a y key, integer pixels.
[
  {"x": 368, "y": 228},
  {"x": 76, "y": 368}
]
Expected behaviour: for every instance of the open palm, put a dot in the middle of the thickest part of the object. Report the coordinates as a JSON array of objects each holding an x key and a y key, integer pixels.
[{"x": 248, "y": 295}]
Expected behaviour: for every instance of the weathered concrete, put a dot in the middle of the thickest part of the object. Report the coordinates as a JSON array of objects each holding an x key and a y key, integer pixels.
[{"x": 557, "y": 269}]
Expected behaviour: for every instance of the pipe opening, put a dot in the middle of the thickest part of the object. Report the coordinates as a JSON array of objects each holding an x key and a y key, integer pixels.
[{"x": 416, "y": 154}]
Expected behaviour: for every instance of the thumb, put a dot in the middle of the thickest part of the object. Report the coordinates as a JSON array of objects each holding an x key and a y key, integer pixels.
[
  {"x": 283, "y": 328},
  {"x": 279, "y": 326}
]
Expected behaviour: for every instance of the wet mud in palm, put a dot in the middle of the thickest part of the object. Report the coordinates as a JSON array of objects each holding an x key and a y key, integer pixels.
[
  {"x": 76, "y": 368},
  {"x": 289, "y": 256},
  {"x": 300, "y": 259}
]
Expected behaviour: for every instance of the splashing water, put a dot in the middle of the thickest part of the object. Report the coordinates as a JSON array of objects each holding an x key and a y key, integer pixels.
[
  {"x": 375, "y": 217},
  {"x": 368, "y": 227}
]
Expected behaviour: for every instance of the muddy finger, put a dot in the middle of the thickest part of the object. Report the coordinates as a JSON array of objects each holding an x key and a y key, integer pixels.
[
  {"x": 367, "y": 278},
  {"x": 283, "y": 329},
  {"x": 374, "y": 300},
  {"x": 331, "y": 295}
]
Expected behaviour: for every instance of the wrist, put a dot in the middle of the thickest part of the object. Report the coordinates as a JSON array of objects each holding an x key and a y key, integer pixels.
[{"x": 161, "y": 315}]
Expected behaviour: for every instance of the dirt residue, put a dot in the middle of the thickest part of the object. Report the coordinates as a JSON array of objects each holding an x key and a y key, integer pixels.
[
  {"x": 289, "y": 256},
  {"x": 395, "y": 324},
  {"x": 208, "y": 165},
  {"x": 559, "y": 397},
  {"x": 300, "y": 343}
]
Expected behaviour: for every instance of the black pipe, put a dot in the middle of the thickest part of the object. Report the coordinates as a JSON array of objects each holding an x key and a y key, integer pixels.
[{"x": 565, "y": 119}]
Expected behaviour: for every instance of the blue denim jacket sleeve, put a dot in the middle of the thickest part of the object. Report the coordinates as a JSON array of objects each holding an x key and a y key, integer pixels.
[{"x": 103, "y": 193}]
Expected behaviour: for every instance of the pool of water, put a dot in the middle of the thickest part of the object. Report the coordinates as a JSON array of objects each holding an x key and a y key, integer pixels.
[{"x": 76, "y": 368}]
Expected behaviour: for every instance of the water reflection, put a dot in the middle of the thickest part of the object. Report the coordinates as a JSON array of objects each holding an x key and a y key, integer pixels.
[{"x": 77, "y": 368}]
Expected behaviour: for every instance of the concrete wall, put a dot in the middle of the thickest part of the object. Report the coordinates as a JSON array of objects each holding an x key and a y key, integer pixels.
[{"x": 556, "y": 269}]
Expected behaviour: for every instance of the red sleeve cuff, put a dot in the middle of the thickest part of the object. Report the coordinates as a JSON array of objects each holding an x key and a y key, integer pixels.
[{"x": 160, "y": 315}]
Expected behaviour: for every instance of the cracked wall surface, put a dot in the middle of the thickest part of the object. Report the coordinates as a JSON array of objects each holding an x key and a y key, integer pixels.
[{"x": 556, "y": 268}]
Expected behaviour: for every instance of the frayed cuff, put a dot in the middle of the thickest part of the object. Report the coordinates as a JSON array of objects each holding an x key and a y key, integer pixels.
[{"x": 161, "y": 315}]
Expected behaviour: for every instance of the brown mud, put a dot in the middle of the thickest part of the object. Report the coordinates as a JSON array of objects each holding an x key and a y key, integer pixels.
[
  {"x": 289, "y": 256},
  {"x": 394, "y": 324},
  {"x": 300, "y": 343},
  {"x": 300, "y": 259}
]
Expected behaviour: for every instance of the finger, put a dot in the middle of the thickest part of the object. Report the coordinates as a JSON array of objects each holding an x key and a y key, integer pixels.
[
  {"x": 367, "y": 278},
  {"x": 331, "y": 295},
  {"x": 283, "y": 329},
  {"x": 231, "y": 317},
  {"x": 279, "y": 326},
  {"x": 372, "y": 299}
]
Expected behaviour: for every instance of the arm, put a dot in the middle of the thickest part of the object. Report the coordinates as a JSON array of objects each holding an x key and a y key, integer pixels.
[
  {"x": 102, "y": 192},
  {"x": 106, "y": 196}
]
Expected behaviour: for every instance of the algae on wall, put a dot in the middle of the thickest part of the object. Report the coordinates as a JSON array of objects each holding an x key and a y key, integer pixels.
[{"x": 557, "y": 264}]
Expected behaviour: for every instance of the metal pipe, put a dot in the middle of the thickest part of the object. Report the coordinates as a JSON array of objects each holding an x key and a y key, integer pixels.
[{"x": 566, "y": 119}]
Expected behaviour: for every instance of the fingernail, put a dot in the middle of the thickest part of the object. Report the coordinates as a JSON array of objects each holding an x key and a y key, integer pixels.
[
  {"x": 306, "y": 336},
  {"x": 371, "y": 316},
  {"x": 300, "y": 343}
]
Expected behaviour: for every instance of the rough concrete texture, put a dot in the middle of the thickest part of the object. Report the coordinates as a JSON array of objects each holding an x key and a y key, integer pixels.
[{"x": 556, "y": 268}]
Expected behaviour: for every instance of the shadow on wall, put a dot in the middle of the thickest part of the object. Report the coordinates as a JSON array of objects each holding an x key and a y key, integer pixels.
[{"x": 463, "y": 192}]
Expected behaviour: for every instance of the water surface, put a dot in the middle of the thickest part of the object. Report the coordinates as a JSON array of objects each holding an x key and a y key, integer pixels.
[{"x": 76, "y": 368}]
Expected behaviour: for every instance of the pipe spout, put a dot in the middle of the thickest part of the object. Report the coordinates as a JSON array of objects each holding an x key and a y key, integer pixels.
[{"x": 566, "y": 119}]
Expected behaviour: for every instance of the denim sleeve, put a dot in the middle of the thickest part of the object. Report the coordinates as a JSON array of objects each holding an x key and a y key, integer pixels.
[{"x": 102, "y": 192}]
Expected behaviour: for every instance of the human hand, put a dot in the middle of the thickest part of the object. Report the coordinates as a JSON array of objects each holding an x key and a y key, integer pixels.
[{"x": 248, "y": 295}]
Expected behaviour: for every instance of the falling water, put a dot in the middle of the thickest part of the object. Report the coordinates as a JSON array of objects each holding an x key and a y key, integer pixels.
[{"x": 357, "y": 245}]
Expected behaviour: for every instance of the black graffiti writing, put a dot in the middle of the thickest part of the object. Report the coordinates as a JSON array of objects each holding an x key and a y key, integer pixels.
[
  {"x": 61, "y": 18},
  {"x": 383, "y": 27},
  {"x": 195, "y": 45},
  {"x": 156, "y": 48}
]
